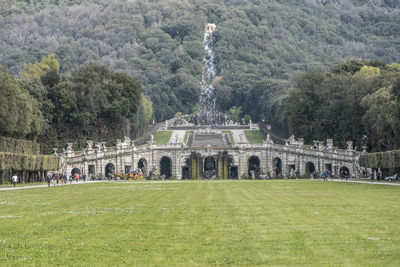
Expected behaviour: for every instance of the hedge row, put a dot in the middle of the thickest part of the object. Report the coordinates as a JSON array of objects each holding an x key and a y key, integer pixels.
[
  {"x": 19, "y": 146},
  {"x": 384, "y": 160},
  {"x": 23, "y": 162}
]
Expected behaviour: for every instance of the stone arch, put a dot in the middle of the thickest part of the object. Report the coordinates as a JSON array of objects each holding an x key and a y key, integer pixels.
[
  {"x": 75, "y": 170},
  {"x": 210, "y": 167},
  {"x": 142, "y": 165},
  {"x": 309, "y": 167},
  {"x": 344, "y": 172},
  {"x": 253, "y": 164},
  {"x": 166, "y": 167},
  {"x": 277, "y": 166},
  {"x": 185, "y": 168},
  {"x": 109, "y": 170}
]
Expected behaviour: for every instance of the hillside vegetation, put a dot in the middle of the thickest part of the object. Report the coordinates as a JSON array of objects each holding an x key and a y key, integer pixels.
[
  {"x": 260, "y": 46},
  {"x": 257, "y": 43}
]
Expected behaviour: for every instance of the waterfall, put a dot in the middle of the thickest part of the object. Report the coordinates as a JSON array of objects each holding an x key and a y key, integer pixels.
[{"x": 207, "y": 105}]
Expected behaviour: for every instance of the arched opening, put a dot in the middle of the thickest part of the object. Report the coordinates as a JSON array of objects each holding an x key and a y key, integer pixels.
[
  {"x": 185, "y": 173},
  {"x": 166, "y": 167},
  {"x": 344, "y": 172},
  {"x": 75, "y": 170},
  {"x": 310, "y": 168},
  {"x": 110, "y": 169},
  {"x": 210, "y": 167},
  {"x": 277, "y": 166},
  {"x": 253, "y": 165},
  {"x": 234, "y": 172},
  {"x": 142, "y": 166}
]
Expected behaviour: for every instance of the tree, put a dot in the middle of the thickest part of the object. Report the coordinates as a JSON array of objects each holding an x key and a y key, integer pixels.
[
  {"x": 304, "y": 104},
  {"x": 236, "y": 112},
  {"x": 379, "y": 119},
  {"x": 19, "y": 112}
]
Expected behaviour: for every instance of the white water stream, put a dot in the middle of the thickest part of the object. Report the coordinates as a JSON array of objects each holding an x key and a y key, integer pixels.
[{"x": 207, "y": 106}]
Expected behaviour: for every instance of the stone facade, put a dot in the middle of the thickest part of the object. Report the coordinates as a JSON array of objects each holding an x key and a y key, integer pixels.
[{"x": 228, "y": 162}]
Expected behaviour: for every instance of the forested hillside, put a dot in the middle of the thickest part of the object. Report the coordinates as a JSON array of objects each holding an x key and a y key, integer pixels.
[{"x": 260, "y": 45}]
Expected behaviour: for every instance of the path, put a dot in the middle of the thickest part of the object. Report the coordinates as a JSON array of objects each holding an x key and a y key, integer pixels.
[
  {"x": 239, "y": 137},
  {"x": 45, "y": 185},
  {"x": 177, "y": 136},
  {"x": 178, "y": 181},
  {"x": 364, "y": 182}
]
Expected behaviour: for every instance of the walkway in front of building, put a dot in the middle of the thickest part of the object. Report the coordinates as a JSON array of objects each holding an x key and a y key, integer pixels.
[
  {"x": 177, "y": 181},
  {"x": 45, "y": 185}
]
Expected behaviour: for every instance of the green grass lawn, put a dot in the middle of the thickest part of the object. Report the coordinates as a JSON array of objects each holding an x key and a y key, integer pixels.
[
  {"x": 230, "y": 137},
  {"x": 162, "y": 137},
  {"x": 254, "y": 136},
  {"x": 202, "y": 223},
  {"x": 186, "y": 138}
]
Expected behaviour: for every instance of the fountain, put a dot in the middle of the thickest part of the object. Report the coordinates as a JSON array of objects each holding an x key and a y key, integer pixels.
[{"x": 208, "y": 114}]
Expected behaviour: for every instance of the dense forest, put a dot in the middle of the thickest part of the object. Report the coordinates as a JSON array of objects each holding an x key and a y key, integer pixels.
[
  {"x": 92, "y": 102},
  {"x": 357, "y": 101},
  {"x": 265, "y": 52}
]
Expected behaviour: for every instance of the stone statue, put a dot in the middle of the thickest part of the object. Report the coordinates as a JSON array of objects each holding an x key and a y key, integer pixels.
[
  {"x": 300, "y": 142},
  {"x": 269, "y": 140},
  {"x": 349, "y": 145},
  {"x": 89, "y": 145},
  {"x": 69, "y": 147}
]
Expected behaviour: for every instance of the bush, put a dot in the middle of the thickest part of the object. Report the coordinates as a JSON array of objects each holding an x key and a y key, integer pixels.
[
  {"x": 245, "y": 176},
  {"x": 97, "y": 176}
]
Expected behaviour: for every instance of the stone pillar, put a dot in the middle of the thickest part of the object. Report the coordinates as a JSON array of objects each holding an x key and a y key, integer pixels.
[
  {"x": 196, "y": 164},
  {"x": 269, "y": 158},
  {"x": 178, "y": 167},
  {"x": 242, "y": 163}
]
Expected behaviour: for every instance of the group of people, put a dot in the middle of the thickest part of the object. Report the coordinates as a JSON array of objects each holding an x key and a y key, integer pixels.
[{"x": 56, "y": 178}]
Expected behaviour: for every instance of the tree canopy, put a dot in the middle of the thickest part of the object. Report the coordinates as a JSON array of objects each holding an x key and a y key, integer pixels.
[{"x": 257, "y": 44}]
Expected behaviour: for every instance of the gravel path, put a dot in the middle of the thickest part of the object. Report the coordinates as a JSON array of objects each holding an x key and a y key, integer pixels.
[
  {"x": 364, "y": 182},
  {"x": 45, "y": 185},
  {"x": 177, "y": 136},
  {"x": 239, "y": 137},
  {"x": 178, "y": 181}
]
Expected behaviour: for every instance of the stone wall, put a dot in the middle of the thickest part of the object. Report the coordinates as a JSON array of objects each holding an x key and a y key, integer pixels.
[{"x": 289, "y": 156}]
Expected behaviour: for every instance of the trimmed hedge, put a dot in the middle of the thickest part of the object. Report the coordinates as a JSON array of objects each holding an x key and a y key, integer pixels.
[
  {"x": 384, "y": 160},
  {"x": 19, "y": 146},
  {"x": 22, "y": 162}
]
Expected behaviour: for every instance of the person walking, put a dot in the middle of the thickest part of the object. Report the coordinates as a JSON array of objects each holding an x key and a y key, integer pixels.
[
  {"x": 326, "y": 175},
  {"x": 14, "y": 179},
  {"x": 48, "y": 178}
]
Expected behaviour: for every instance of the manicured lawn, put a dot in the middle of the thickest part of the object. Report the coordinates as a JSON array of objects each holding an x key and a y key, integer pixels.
[
  {"x": 254, "y": 136},
  {"x": 230, "y": 137},
  {"x": 162, "y": 137},
  {"x": 186, "y": 138},
  {"x": 202, "y": 223}
]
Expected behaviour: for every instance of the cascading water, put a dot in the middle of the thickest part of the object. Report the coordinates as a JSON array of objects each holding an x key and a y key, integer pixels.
[{"x": 207, "y": 106}]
